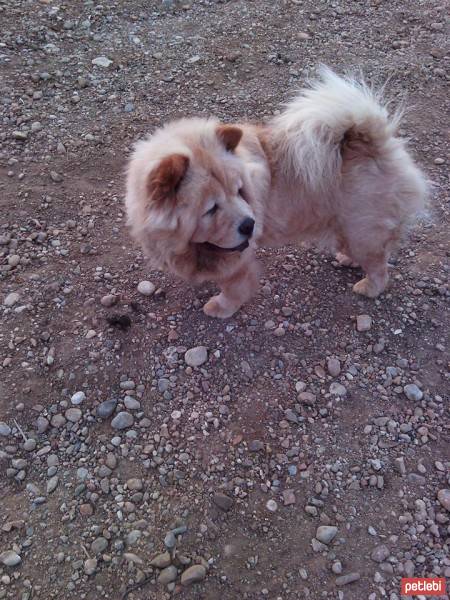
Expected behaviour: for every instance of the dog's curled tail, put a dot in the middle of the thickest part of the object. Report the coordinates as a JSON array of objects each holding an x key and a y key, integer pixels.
[{"x": 334, "y": 115}]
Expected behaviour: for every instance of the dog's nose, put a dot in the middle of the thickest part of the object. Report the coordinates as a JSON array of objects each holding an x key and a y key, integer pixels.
[{"x": 246, "y": 227}]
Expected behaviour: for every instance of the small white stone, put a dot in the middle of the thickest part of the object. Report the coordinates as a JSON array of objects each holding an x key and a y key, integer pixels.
[
  {"x": 11, "y": 299},
  {"x": 412, "y": 392},
  {"x": 78, "y": 398},
  {"x": 102, "y": 61},
  {"x": 271, "y": 505},
  {"x": 146, "y": 288},
  {"x": 197, "y": 356},
  {"x": 363, "y": 322}
]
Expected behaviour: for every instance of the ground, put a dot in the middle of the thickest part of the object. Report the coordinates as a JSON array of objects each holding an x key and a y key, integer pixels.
[{"x": 296, "y": 419}]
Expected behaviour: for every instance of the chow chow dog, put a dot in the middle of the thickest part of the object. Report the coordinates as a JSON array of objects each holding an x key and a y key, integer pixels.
[{"x": 202, "y": 196}]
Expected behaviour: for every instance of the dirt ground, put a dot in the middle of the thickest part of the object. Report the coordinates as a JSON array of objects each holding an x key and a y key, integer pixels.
[{"x": 109, "y": 441}]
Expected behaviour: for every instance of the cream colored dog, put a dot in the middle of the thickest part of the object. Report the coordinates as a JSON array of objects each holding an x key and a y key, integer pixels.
[{"x": 202, "y": 196}]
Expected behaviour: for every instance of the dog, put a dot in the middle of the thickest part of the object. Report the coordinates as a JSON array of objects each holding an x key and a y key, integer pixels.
[{"x": 202, "y": 196}]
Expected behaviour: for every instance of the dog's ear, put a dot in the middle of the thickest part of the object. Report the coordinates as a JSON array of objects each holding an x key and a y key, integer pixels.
[
  {"x": 164, "y": 180},
  {"x": 229, "y": 135}
]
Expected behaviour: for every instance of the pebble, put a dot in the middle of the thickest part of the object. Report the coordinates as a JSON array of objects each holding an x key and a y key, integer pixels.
[
  {"x": 413, "y": 392},
  {"x": 99, "y": 545},
  {"x": 52, "y": 484},
  {"x": 73, "y": 414},
  {"x": 90, "y": 566},
  {"x": 161, "y": 561},
  {"x": 195, "y": 357},
  {"x": 5, "y": 429},
  {"x": 102, "y": 61},
  {"x": 223, "y": 501},
  {"x": 168, "y": 575},
  {"x": 380, "y": 553},
  {"x": 444, "y": 498},
  {"x": 170, "y": 540},
  {"x": 109, "y": 300},
  {"x": 11, "y": 299},
  {"x": 9, "y": 558},
  {"x": 78, "y": 398},
  {"x": 146, "y": 288},
  {"x": 333, "y": 366},
  {"x": 288, "y": 497},
  {"x": 363, "y": 322},
  {"x": 106, "y": 408},
  {"x": 131, "y": 403},
  {"x": 42, "y": 424},
  {"x": 271, "y": 505},
  {"x": 193, "y": 575},
  {"x": 30, "y": 445},
  {"x": 337, "y": 389},
  {"x": 122, "y": 420},
  {"x": 349, "y": 578},
  {"x": 326, "y": 533},
  {"x": 134, "y": 484}
]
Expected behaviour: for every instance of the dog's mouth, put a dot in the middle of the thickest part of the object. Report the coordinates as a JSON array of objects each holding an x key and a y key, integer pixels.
[{"x": 215, "y": 248}]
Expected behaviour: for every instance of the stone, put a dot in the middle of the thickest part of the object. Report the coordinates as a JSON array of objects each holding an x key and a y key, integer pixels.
[
  {"x": 109, "y": 300},
  {"x": 271, "y": 505},
  {"x": 380, "y": 553},
  {"x": 131, "y": 403},
  {"x": 349, "y": 578},
  {"x": 73, "y": 414},
  {"x": 52, "y": 483},
  {"x": 444, "y": 498},
  {"x": 168, "y": 575},
  {"x": 78, "y": 398},
  {"x": 333, "y": 366},
  {"x": 413, "y": 392},
  {"x": 134, "y": 484},
  {"x": 5, "y": 429},
  {"x": 195, "y": 357},
  {"x": 288, "y": 497},
  {"x": 326, "y": 533},
  {"x": 90, "y": 566},
  {"x": 161, "y": 561},
  {"x": 105, "y": 409},
  {"x": 223, "y": 501},
  {"x": 29, "y": 445},
  {"x": 9, "y": 558},
  {"x": 337, "y": 389},
  {"x": 122, "y": 420},
  {"x": 99, "y": 545},
  {"x": 146, "y": 288},
  {"x": 363, "y": 322},
  {"x": 11, "y": 299},
  {"x": 102, "y": 61},
  {"x": 193, "y": 574}
]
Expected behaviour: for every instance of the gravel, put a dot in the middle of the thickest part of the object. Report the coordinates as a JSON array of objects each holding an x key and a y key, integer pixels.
[{"x": 122, "y": 420}]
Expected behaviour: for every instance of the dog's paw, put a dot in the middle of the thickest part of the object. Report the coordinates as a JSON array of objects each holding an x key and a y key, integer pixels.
[
  {"x": 345, "y": 261},
  {"x": 366, "y": 288},
  {"x": 217, "y": 307}
]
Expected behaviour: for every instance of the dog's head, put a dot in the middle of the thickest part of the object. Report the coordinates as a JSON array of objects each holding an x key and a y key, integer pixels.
[{"x": 187, "y": 190}]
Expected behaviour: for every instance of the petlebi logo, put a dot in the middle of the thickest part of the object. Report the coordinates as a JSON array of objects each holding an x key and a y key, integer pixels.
[{"x": 422, "y": 586}]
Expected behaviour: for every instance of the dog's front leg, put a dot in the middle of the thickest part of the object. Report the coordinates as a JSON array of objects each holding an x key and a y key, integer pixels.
[{"x": 235, "y": 291}]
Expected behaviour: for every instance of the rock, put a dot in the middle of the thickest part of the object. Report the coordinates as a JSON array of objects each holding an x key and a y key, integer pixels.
[
  {"x": 42, "y": 424},
  {"x": 195, "y": 357},
  {"x": 73, "y": 414},
  {"x": 333, "y": 366},
  {"x": 288, "y": 497},
  {"x": 122, "y": 420},
  {"x": 168, "y": 575},
  {"x": 78, "y": 398},
  {"x": 161, "y": 561},
  {"x": 5, "y": 429},
  {"x": 444, "y": 498},
  {"x": 90, "y": 565},
  {"x": 337, "y": 389},
  {"x": 134, "y": 484},
  {"x": 255, "y": 445},
  {"x": 193, "y": 575},
  {"x": 109, "y": 300},
  {"x": 52, "y": 483},
  {"x": 146, "y": 288},
  {"x": 99, "y": 545},
  {"x": 363, "y": 322},
  {"x": 412, "y": 392},
  {"x": 170, "y": 540},
  {"x": 326, "y": 533},
  {"x": 271, "y": 505},
  {"x": 29, "y": 445},
  {"x": 349, "y": 578},
  {"x": 336, "y": 567},
  {"x": 9, "y": 558},
  {"x": 223, "y": 501},
  {"x": 56, "y": 177},
  {"x": 131, "y": 403},
  {"x": 380, "y": 553},
  {"x": 102, "y": 61},
  {"x": 11, "y": 299},
  {"x": 106, "y": 408}
]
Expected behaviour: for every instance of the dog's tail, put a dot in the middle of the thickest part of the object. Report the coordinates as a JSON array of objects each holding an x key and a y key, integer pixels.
[{"x": 334, "y": 117}]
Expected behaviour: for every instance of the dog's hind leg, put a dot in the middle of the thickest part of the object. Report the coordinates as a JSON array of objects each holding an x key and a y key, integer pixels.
[{"x": 235, "y": 291}]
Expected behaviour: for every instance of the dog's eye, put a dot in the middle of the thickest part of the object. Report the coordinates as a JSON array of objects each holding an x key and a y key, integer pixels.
[
  {"x": 242, "y": 194},
  {"x": 212, "y": 210}
]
